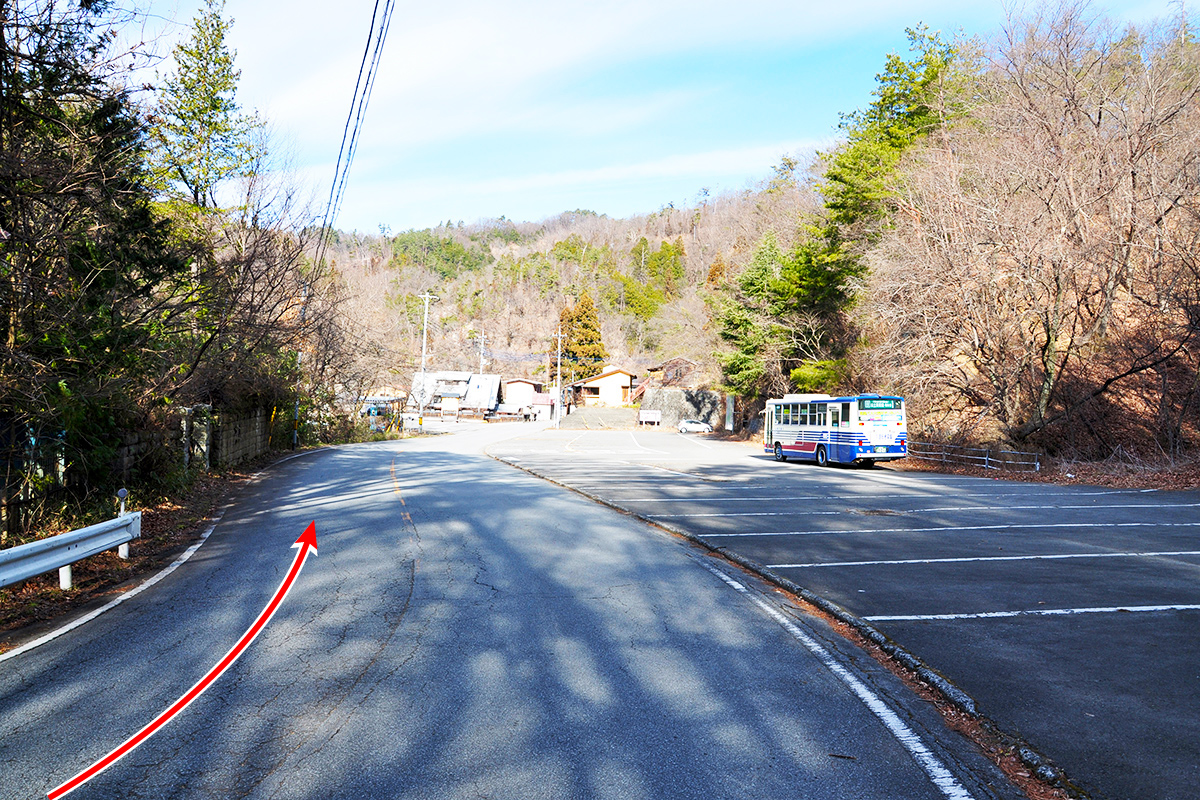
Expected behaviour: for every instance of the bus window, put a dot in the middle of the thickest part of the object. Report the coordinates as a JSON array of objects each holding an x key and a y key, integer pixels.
[
  {"x": 803, "y": 408},
  {"x": 822, "y": 414},
  {"x": 833, "y": 416},
  {"x": 778, "y": 414},
  {"x": 845, "y": 413}
]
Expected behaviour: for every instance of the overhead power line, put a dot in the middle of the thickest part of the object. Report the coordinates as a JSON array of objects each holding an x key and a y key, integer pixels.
[{"x": 381, "y": 20}]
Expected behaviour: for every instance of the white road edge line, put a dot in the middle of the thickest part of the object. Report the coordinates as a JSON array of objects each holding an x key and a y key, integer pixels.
[
  {"x": 973, "y": 559},
  {"x": 937, "y": 772},
  {"x": 1039, "y": 612},
  {"x": 134, "y": 592}
]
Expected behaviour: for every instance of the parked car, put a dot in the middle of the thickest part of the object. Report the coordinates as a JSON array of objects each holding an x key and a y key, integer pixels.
[{"x": 694, "y": 426}]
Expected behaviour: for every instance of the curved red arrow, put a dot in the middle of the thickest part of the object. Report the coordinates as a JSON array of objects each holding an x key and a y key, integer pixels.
[{"x": 306, "y": 542}]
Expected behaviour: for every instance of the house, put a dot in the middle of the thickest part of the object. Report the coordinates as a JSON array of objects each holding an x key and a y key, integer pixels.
[
  {"x": 520, "y": 392},
  {"x": 673, "y": 372},
  {"x": 612, "y": 387},
  {"x": 543, "y": 405},
  {"x": 465, "y": 390},
  {"x": 483, "y": 393}
]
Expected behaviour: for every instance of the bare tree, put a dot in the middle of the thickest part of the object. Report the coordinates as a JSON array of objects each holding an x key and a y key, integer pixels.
[{"x": 1036, "y": 261}]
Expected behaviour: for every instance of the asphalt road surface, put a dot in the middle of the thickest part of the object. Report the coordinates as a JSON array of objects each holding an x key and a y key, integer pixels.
[
  {"x": 1070, "y": 614},
  {"x": 466, "y": 631}
]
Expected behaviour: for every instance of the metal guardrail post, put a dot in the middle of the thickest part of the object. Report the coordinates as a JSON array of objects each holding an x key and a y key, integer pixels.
[{"x": 123, "y": 549}]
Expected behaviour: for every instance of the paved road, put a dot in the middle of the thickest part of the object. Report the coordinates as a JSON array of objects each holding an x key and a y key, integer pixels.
[
  {"x": 1071, "y": 614},
  {"x": 467, "y": 631}
]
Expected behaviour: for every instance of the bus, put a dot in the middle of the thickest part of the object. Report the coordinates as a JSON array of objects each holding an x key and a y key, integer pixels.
[{"x": 860, "y": 429}]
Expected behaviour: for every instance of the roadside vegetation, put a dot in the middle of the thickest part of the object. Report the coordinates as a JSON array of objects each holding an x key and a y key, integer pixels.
[{"x": 151, "y": 259}]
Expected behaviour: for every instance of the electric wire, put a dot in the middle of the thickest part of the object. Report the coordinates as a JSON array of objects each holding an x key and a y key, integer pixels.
[{"x": 354, "y": 119}]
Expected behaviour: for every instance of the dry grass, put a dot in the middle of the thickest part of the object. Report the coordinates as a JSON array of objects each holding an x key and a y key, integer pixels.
[{"x": 1117, "y": 474}]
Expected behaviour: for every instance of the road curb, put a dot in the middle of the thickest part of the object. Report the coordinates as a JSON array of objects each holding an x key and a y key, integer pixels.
[{"x": 937, "y": 683}]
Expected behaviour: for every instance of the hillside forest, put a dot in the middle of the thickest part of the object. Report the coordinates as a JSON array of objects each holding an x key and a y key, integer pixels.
[{"x": 1005, "y": 233}]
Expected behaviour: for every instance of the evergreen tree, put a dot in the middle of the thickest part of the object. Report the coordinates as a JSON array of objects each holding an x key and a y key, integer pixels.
[
  {"x": 89, "y": 280},
  {"x": 583, "y": 353},
  {"x": 201, "y": 137},
  {"x": 785, "y": 321},
  {"x": 910, "y": 103}
]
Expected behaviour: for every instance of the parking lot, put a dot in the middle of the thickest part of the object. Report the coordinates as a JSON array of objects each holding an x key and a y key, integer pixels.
[{"x": 1070, "y": 614}]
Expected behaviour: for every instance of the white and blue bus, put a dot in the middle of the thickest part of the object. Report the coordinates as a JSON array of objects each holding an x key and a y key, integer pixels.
[{"x": 846, "y": 430}]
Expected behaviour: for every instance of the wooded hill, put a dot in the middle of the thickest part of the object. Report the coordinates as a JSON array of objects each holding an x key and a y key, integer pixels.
[
  {"x": 1007, "y": 236},
  {"x": 653, "y": 278}
]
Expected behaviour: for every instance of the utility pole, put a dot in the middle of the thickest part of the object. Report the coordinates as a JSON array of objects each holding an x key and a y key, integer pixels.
[
  {"x": 425, "y": 327},
  {"x": 482, "y": 339},
  {"x": 424, "y": 331},
  {"x": 558, "y": 398},
  {"x": 299, "y": 356}
]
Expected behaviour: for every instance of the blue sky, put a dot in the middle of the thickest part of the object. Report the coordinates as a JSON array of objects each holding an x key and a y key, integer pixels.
[{"x": 526, "y": 109}]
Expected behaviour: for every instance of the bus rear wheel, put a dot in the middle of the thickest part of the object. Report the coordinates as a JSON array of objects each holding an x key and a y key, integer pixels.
[
  {"x": 822, "y": 456},
  {"x": 779, "y": 456}
]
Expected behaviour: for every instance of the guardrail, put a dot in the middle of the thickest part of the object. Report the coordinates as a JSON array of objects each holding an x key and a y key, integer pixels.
[
  {"x": 1015, "y": 460},
  {"x": 25, "y": 561}
]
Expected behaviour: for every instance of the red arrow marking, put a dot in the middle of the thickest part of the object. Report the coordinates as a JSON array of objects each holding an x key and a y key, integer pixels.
[{"x": 306, "y": 542}]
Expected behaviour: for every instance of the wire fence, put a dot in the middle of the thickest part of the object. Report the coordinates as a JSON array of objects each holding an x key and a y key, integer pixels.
[{"x": 1014, "y": 460}]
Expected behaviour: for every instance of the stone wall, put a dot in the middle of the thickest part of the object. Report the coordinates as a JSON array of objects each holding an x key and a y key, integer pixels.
[
  {"x": 239, "y": 437},
  {"x": 678, "y": 404}
]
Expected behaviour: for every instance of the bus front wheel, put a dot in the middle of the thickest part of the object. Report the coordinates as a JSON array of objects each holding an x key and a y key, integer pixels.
[
  {"x": 779, "y": 456},
  {"x": 822, "y": 456}
]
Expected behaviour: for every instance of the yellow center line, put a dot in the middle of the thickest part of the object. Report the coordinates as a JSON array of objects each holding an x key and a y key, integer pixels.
[{"x": 396, "y": 483}]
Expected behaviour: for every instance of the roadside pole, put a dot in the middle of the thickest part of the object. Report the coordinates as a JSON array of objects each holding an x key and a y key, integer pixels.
[
  {"x": 422, "y": 397},
  {"x": 558, "y": 398}
]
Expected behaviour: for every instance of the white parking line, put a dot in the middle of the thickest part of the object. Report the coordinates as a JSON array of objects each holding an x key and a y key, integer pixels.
[
  {"x": 958, "y": 528},
  {"x": 695, "y": 440},
  {"x": 805, "y": 513},
  {"x": 1040, "y": 612},
  {"x": 942, "y": 778},
  {"x": 983, "y": 558},
  {"x": 751, "y": 514},
  {"x": 1064, "y": 507},
  {"x": 661, "y": 469},
  {"x": 794, "y": 497},
  {"x": 849, "y": 498}
]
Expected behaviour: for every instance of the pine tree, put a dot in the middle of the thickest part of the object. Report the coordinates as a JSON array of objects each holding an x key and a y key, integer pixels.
[{"x": 200, "y": 135}]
